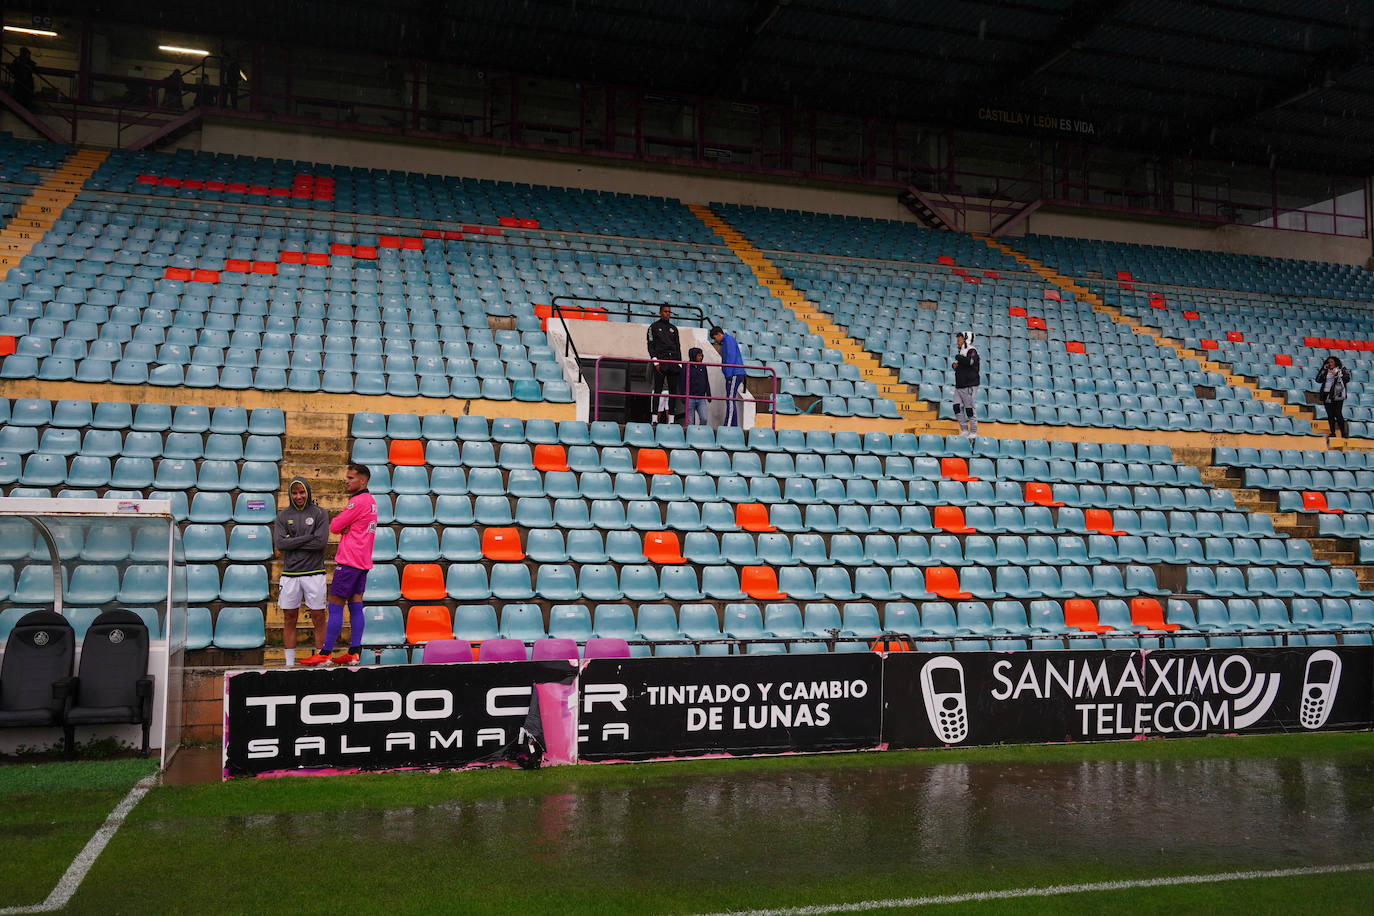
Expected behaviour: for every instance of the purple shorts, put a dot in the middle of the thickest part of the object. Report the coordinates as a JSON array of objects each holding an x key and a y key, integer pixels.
[{"x": 348, "y": 581}]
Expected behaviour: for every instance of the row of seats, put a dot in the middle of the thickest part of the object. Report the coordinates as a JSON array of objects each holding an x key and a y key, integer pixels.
[
  {"x": 648, "y": 582},
  {"x": 206, "y": 543},
  {"x": 492, "y": 483},
  {"x": 138, "y": 584},
  {"x": 1292, "y": 459},
  {"x": 144, "y": 417},
  {"x": 333, "y": 381},
  {"x": 102, "y": 544},
  {"x": 43, "y": 469},
  {"x": 514, "y": 456},
  {"x": 813, "y": 627},
  {"x": 688, "y": 515},
  {"x": 114, "y": 443}
]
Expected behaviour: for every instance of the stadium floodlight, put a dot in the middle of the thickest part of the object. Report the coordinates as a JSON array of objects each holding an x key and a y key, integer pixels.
[
  {"x": 22, "y": 30},
  {"x": 178, "y": 49}
]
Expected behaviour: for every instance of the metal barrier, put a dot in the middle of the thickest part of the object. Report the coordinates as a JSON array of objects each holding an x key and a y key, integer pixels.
[
  {"x": 606, "y": 307},
  {"x": 597, "y": 390}
]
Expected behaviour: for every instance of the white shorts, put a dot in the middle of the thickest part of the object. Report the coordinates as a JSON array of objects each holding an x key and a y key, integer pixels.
[{"x": 293, "y": 588}]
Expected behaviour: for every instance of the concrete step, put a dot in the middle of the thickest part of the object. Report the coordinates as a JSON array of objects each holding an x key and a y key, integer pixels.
[
  {"x": 1295, "y": 531},
  {"x": 1197, "y": 456},
  {"x": 316, "y": 425},
  {"x": 328, "y": 471},
  {"x": 333, "y": 456}
]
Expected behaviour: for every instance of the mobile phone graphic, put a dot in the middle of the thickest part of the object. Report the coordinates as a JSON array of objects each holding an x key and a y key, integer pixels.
[
  {"x": 1319, "y": 687},
  {"x": 942, "y": 686}
]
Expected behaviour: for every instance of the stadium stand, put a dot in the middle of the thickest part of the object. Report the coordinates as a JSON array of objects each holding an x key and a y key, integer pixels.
[{"x": 223, "y": 280}]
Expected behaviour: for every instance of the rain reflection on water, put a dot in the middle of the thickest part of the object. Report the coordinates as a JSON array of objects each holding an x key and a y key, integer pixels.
[{"x": 1253, "y": 812}]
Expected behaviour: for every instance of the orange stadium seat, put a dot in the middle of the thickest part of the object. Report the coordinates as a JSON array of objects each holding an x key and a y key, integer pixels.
[
  {"x": 1146, "y": 612},
  {"x": 1081, "y": 614},
  {"x": 406, "y": 452},
  {"x": 663, "y": 547},
  {"x": 423, "y": 582},
  {"x": 502, "y": 544},
  {"x": 1315, "y": 501},
  {"x": 951, "y": 519},
  {"x": 952, "y": 467},
  {"x": 944, "y": 581},
  {"x": 1040, "y": 494},
  {"x": 550, "y": 456},
  {"x": 1101, "y": 521},
  {"x": 753, "y": 517},
  {"x": 652, "y": 461},
  {"x": 760, "y": 583},
  {"x": 428, "y": 621}
]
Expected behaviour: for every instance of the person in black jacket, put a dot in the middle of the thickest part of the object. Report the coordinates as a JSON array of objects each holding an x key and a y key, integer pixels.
[
  {"x": 967, "y": 366},
  {"x": 22, "y": 70},
  {"x": 698, "y": 387},
  {"x": 1331, "y": 381},
  {"x": 664, "y": 344}
]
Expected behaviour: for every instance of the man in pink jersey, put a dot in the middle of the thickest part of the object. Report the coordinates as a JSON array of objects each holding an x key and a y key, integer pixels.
[{"x": 357, "y": 527}]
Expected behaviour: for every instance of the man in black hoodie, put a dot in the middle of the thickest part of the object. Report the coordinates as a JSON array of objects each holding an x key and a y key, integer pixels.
[
  {"x": 967, "y": 366},
  {"x": 301, "y": 533},
  {"x": 663, "y": 343}
]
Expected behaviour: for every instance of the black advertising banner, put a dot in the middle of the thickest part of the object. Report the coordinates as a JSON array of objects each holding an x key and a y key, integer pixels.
[
  {"x": 392, "y": 717},
  {"x": 972, "y": 698},
  {"x": 639, "y": 708}
]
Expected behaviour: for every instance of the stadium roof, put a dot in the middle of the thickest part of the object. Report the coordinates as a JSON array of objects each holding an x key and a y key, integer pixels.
[{"x": 1270, "y": 82}]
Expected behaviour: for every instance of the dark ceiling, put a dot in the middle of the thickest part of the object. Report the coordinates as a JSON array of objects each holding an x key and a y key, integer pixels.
[{"x": 1281, "y": 82}]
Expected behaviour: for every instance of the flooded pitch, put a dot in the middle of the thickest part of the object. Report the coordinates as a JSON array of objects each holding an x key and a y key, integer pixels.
[
  {"x": 814, "y": 823},
  {"x": 1139, "y": 816}
]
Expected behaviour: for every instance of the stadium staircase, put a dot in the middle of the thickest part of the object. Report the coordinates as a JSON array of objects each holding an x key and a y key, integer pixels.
[
  {"x": 1335, "y": 551},
  {"x": 922, "y": 414},
  {"x": 315, "y": 447},
  {"x": 45, "y": 205}
]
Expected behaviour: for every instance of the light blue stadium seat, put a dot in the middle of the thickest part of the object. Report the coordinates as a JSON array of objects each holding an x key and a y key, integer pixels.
[
  {"x": 199, "y": 628},
  {"x": 240, "y": 627},
  {"x": 248, "y": 583}
]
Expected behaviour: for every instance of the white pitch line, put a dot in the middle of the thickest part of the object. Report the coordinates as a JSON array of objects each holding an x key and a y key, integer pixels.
[
  {"x": 76, "y": 872},
  {"x": 1053, "y": 890}
]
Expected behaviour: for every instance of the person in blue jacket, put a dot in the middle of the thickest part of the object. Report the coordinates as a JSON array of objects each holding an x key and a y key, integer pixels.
[{"x": 733, "y": 370}]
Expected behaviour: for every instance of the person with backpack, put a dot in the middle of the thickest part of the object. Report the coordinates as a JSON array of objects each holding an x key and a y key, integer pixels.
[{"x": 1331, "y": 381}]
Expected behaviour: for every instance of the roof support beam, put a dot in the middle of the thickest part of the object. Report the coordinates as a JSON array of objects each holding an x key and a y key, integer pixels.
[{"x": 1076, "y": 25}]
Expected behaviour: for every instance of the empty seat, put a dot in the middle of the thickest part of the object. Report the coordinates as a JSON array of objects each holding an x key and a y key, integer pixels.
[{"x": 240, "y": 627}]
